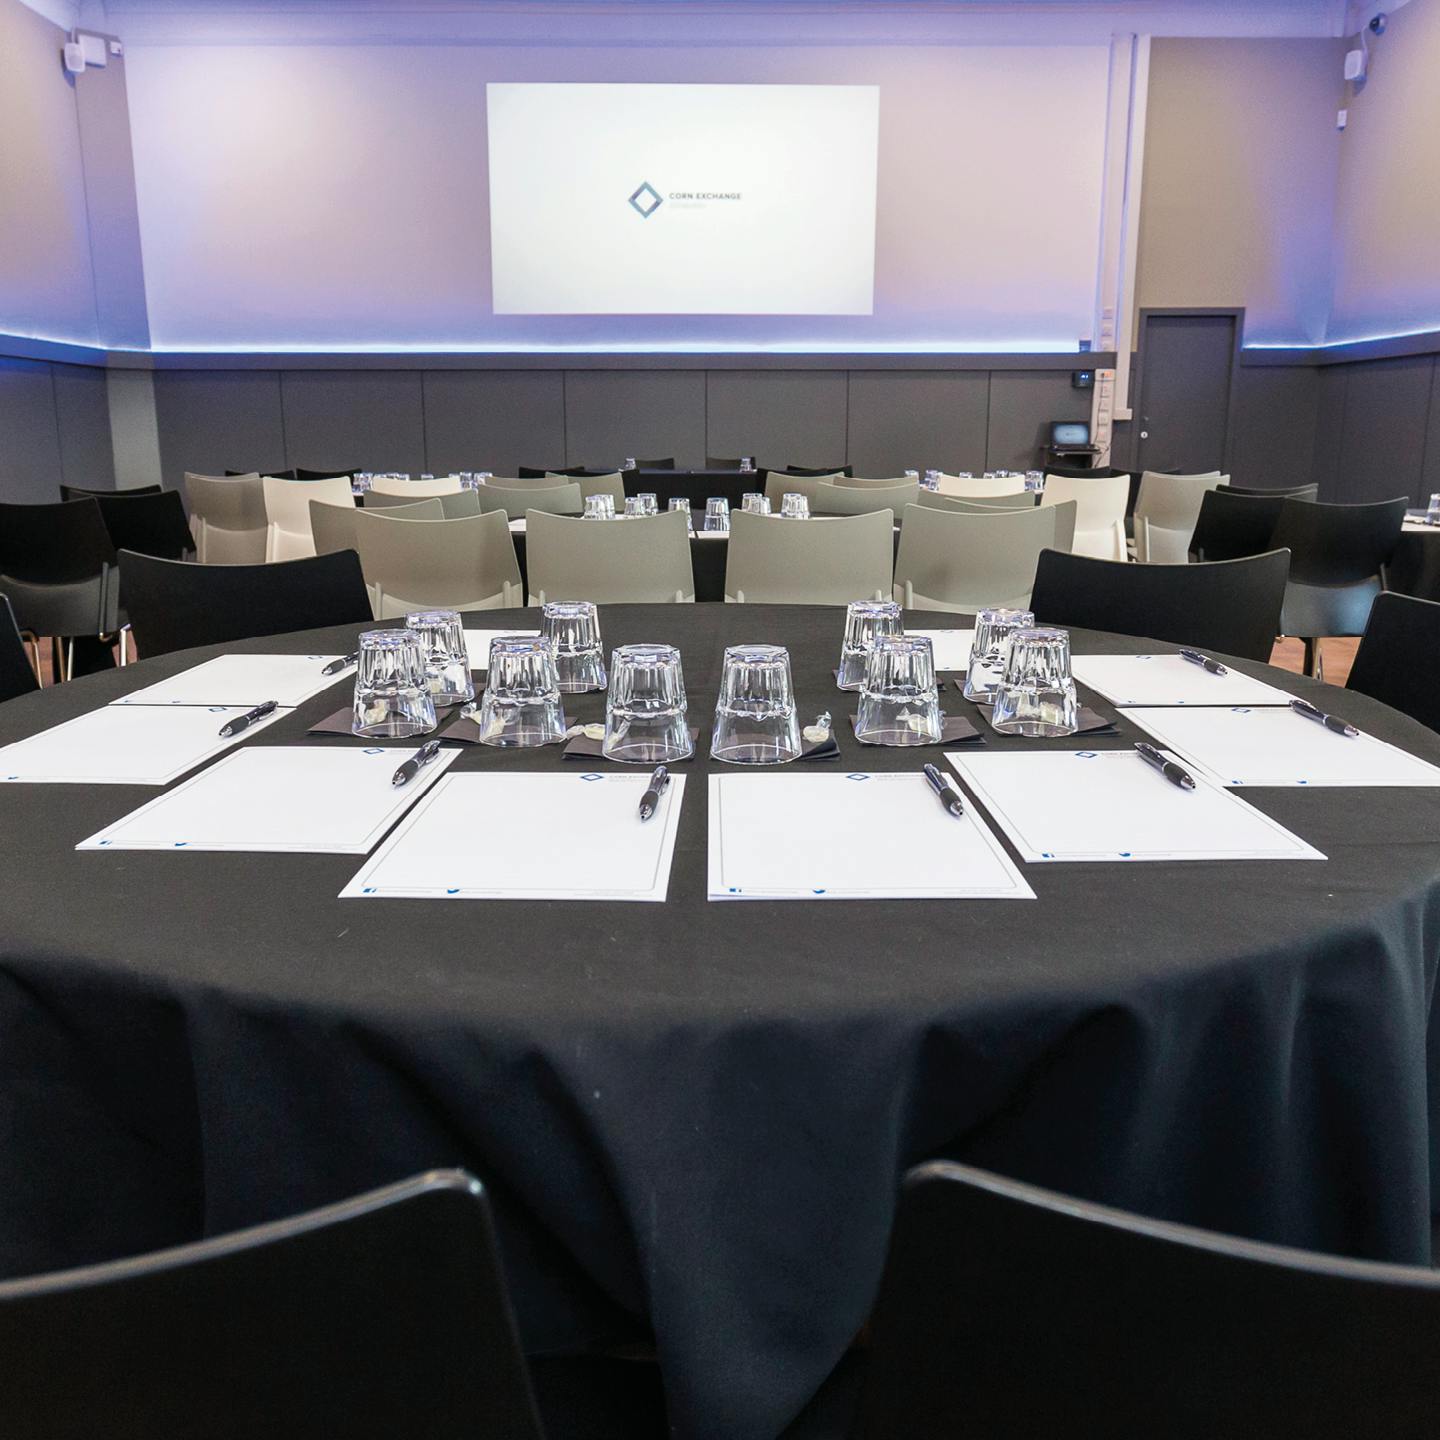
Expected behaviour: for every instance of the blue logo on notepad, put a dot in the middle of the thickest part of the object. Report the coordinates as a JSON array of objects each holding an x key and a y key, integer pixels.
[
  {"x": 592, "y": 777},
  {"x": 857, "y": 777}
]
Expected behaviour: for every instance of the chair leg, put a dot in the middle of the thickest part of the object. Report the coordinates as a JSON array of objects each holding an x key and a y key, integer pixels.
[
  {"x": 1311, "y": 652},
  {"x": 70, "y": 658}
]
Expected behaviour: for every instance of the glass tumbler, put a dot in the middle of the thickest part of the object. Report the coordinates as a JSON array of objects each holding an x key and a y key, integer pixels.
[
  {"x": 521, "y": 707},
  {"x": 649, "y": 503},
  {"x": 865, "y": 622},
  {"x": 599, "y": 507},
  {"x": 900, "y": 701},
  {"x": 447, "y": 665},
  {"x": 1036, "y": 694},
  {"x": 795, "y": 507},
  {"x": 1432, "y": 515},
  {"x": 754, "y": 503},
  {"x": 682, "y": 502},
  {"x": 747, "y": 464},
  {"x": 993, "y": 627},
  {"x": 573, "y": 627},
  {"x": 717, "y": 513},
  {"x": 645, "y": 714},
  {"x": 634, "y": 507},
  {"x": 392, "y": 692},
  {"x": 930, "y": 480},
  {"x": 755, "y": 720},
  {"x": 629, "y": 463}
]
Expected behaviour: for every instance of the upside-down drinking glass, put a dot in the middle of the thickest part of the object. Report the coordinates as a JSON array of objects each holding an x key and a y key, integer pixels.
[
  {"x": 645, "y": 712},
  {"x": 521, "y": 707},
  {"x": 993, "y": 627},
  {"x": 599, "y": 507},
  {"x": 629, "y": 463},
  {"x": 930, "y": 480},
  {"x": 1036, "y": 693},
  {"x": 634, "y": 507},
  {"x": 649, "y": 504},
  {"x": 717, "y": 513},
  {"x": 753, "y": 503},
  {"x": 573, "y": 627},
  {"x": 795, "y": 507},
  {"x": 447, "y": 664},
  {"x": 900, "y": 701},
  {"x": 392, "y": 693},
  {"x": 865, "y": 622},
  {"x": 747, "y": 464},
  {"x": 682, "y": 502},
  {"x": 755, "y": 720}
]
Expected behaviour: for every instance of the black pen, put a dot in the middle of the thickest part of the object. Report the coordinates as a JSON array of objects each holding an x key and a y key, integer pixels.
[
  {"x": 650, "y": 800},
  {"x": 343, "y": 663},
  {"x": 242, "y": 722},
  {"x": 1175, "y": 774},
  {"x": 948, "y": 798},
  {"x": 1196, "y": 658},
  {"x": 1330, "y": 722},
  {"x": 411, "y": 768}
]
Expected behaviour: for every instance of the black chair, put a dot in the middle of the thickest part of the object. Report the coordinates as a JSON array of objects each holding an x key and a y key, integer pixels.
[
  {"x": 1232, "y": 606},
  {"x": 57, "y": 565},
  {"x": 1086, "y": 472},
  {"x": 80, "y": 492},
  {"x": 382, "y": 1316},
  {"x": 1338, "y": 555},
  {"x": 300, "y": 473},
  {"x": 666, "y": 462},
  {"x": 1009, "y": 1311},
  {"x": 823, "y": 470},
  {"x": 174, "y": 605},
  {"x": 1283, "y": 492},
  {"x": 274, "y": 474},
  {"x": 531, "y": 472},
  {"x": 1398, "y": 661},
  {"x": 722, "y": 462},
  {"x": 1231, "y": 526},
  {"x": 148, "y": 524},
  {"x": 17, "y": 674}
]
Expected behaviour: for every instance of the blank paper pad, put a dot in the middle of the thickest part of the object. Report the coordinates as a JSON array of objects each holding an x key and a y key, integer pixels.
[
  {"x": 1169, "y": 680},
  {"x": 951, "y": 647},
  {"x": 245, "y": 680},
  {"x": 477, "y": 644}
]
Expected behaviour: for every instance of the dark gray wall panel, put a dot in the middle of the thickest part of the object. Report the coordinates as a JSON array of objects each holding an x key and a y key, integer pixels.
[
  {"x": 1329, "y": 427},
  {"x": 494, "y": 420},
  {"x": 366, "y": 419},
  {"x": 213, "y": 420},
  {"x": 1382, "y": 448},
  {"x": 1272, "y": 425},
  {"x": 780, "y": 417},
  {"x": 1430, "y": 477},
  {"x": 918, "y": 420},
  {"x": 1022, "y": 405},
  {"x": 611, "y": 414},
  {"x": 29, "y": 438},
  {"x": 82, "y": 411}
]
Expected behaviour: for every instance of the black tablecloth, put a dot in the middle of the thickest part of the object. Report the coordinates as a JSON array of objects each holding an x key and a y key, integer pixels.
[
  {"x": 697, "y": 486},
  {"x": 693, "y": 1116},
  {"x": 1414, "y": 568}
]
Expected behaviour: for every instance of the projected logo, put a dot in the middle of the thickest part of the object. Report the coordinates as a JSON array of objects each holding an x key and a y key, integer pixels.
[{"x": 646, "y": 200}]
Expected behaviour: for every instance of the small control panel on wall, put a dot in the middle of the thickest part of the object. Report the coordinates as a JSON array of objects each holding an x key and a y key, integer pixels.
[{"x": 1102, "y": 413}]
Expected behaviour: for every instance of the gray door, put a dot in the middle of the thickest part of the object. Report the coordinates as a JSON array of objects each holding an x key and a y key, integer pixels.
[{"x": 1184, "y": 410}]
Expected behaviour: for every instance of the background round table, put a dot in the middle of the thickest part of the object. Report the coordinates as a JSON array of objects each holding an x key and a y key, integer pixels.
[{"x": 692, "y": 1116}]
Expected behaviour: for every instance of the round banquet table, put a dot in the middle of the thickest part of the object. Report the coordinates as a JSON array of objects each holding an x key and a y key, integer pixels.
[{"x": 692, "y": 1117}]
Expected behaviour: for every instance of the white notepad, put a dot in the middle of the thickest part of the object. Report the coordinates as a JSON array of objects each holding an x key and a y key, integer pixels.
[
  {"x": 951, "y": 647},
  {"x": 1265, "y": 746},
  {"x": 126, "y": 745},
  {"x": 244, "y": 680},
  {"x": 1169, "y": 680},
  {"x": 477, "y": 645},
  {"x": 291, "y": 798},
  {"x": 529, "y": 837},
  {"x": 850, "y": 837},
  {"x": 1111, "y": 805}
]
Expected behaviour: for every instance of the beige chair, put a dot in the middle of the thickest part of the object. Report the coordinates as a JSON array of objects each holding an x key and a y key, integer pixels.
[
  {"x": 287, "y": 513},
  {"x": 969, "y": 487},
  {"x": 554, "y": 500},
  {"x": 776, "y": 561},
  {"x": 1100, "y": 521},
  {"x": 416, "y": 489},
  {"x": 1166, "y": 510},
  {"x": 612, "y": 485},
  {"x": 457, "y": 506},
  {"x": 643, "y": 560},
  {"x": 227, "y": 518},
  {"x": 838, "y": 500},
  {"x": 966, "y": 562},
  {"x": 982, "y": 504},
  {"x": 333, "y": 526},
  {"x": 778, "y": 486},
  {"x": 466, "y": 564},
  {"x": 859, "y": 482}
]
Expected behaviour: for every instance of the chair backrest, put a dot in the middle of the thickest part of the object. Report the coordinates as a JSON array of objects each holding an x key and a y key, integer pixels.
[
  {"x": 778, "y": 485},
  {"x": 612, "y": 485},
  {"x": 969, "y": 487},
  {"x": 1232, "y": 606},
  {"x": 466, "y": 564},
  {"x": 1231, "y": 524},
  {"x": 227, "y": 518},
  {"x": 723, "y": 462},
  {"x": 860, "y": 482},
  {"x": 772, "y": 560},
  {"x": 84, "y": 492},
  {"x": 416, "y": 489},
  {"x": 301, "y": 473},
  {"x": 976, "y": 504},
  {"x": 1282, "y": 492},
  {"x": 1100, "y": 520},
  {"x": 1338, "y": 544},
  {"x": 287, "y": 512},
  {"x": 454, "y": 507},
  {"x": 1007, "y": 1310},
  {"x": 1166, "y": 510},
  {"x": 1084, "y": 472},
  {"x": 665, "y": 462},
  {"x": 54, "y": 543},
  {"x": 278, "y": 474},
  {"x": 555, "y": 499},
  {"x": 150, "y": 524},
  {"x": 17, "y": 675},
  {"x": 640, "y": 560},
  {"x": 389, "y": 499},
  {"x": 966, "y": 562},
  {"x": 385, "y": 1315},
  {"x": 531, "y": 472},
  {"x": 841, "y": 500},
  {"x": 174, "y": 604},
  {"x": 333, "y": 526},
  {"x": 824, "y": 473},
  {"x": 1397, "y": 658}
]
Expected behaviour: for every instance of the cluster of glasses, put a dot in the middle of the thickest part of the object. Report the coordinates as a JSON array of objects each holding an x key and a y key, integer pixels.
[
  {"x": 717, "y": 514},
  {"x": 794, "y": 507},
  {"x": 1023, "y": 673},
  {"x": 402, "y": 677},
  {"x": 1034, "y": 479},
  {"x": 866, "y": 621},
  {"x": 894, "y": 673},
  {"x": 599, "y": 507},
  {"x": 930, "y": 480},
  {"x": 640, "y": 505},
  {"x": 753, "y": 503},
  {"x": 474, "y": 479},
  {"x": 747, "y": 464}
]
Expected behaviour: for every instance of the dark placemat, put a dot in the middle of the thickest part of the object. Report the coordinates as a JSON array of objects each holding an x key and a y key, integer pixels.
[
  {"x": 582, "y": 747},
  {"x": 954, "y": 730},
  {"x": 1091, "y": 722},
  {"x": 339, "y": 724}
]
